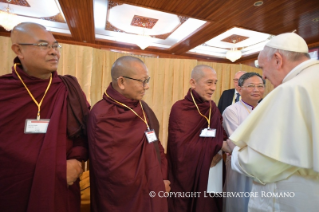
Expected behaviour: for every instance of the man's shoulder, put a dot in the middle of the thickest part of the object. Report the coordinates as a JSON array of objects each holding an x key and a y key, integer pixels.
[
  {"x": 179, "y": 103},
  {"x": 232, "y": 90},
  {"x": 231, "y": 108},
  {"x": 6, "y": 76},
  {"x": 147, "y": 107},
  {"x": 69, "y": 78},
  {"x": 99, "y": 108}
]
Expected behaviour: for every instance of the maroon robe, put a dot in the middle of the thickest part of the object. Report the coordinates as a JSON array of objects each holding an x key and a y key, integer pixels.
[
  {"x": 124, "y": 167},
  {"x": 190, "y": 156},
  {"x": 33, "y": 166}
]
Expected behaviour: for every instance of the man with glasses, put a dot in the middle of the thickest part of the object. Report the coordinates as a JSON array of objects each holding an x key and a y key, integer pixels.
[
  {"x": 251, "y": 88},
  {"x": 195, "y": 137},
  {"x": 42, "y": 141},
  {"x": 128, "y": 167},
  {"x": 230, "y": 96},
  {"x": 278, "y": 143}
]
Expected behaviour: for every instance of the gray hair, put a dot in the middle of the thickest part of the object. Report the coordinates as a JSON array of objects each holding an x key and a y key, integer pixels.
[
  {"x": 289, "y": 55},
  {"x": 248, "y": 75}
]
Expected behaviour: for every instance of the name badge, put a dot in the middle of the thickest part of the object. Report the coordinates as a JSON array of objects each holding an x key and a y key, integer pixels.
[
  {"x": 207, "y": 132},
  {"x": 36, "y": 126},
  {"x": 151, "y": 136}
]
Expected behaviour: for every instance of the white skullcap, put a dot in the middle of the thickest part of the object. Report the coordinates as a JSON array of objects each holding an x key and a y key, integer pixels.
[{"x": 289, "y": 42}]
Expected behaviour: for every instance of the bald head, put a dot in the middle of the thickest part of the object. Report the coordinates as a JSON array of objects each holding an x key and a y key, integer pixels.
[
  {"x": 200, "y": 71},
  {"x": 239, "y": 74},
  {"x": 203, "y": 81},
  {"x": 130, "y": 77},
  {"x": 23, "y": 32},
  {"x": 37, "y": 60},
  {"x": 236, "y": 78},
  {"x": 124, "y": 66}
]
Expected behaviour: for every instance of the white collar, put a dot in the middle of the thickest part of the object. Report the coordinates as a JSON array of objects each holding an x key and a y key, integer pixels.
[{"x": 299, "y": 68}]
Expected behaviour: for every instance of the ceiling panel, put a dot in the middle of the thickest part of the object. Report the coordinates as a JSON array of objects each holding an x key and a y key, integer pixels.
[{"x": 85, "y": 21}]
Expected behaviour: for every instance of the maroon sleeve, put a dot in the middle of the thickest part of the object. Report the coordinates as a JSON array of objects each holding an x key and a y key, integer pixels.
[
  {"x": 79, "y": 148},
  {"x": 164, "y": 163}
]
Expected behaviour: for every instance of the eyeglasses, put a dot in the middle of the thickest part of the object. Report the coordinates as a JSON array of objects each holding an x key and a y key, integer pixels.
[
  {"x": 251, "y": 87},
  {"x": 142, "y": 81},
  {"x": 43, "y": 45}
]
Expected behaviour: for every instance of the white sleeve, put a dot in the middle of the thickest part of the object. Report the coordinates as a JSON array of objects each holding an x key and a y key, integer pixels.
[{"x": 261, "y": 168}]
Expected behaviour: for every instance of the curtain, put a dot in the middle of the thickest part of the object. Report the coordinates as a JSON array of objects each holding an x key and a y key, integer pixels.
[{"x": 169, "y": 77}]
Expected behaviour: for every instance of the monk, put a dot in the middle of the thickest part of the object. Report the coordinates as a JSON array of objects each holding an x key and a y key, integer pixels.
[
  {"x": 190, "y": 155},
  {"x": 128, "y": 169},
  {"x": 41, "y": 140}
]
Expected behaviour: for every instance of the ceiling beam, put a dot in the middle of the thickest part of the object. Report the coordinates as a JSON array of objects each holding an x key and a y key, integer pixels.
[{"x": 79, "y": 17}]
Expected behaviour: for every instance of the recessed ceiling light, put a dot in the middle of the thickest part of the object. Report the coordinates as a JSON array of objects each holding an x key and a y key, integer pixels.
[
  {"x": 258, "y": 3},
  {"x": 315, "y": 19}
]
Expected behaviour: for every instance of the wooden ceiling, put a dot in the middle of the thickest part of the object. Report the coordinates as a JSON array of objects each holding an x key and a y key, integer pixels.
[{"x": 273, "y": 17}]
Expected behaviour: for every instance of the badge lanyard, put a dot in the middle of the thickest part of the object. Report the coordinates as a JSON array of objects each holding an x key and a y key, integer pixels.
[
  {"x": 34, "y": 100},
  {"x": 144, "y": 120},
  {"x": 245, "y": 107},
  {"x": 149, "y": 133},
  {"x": 210, "y": 110}
]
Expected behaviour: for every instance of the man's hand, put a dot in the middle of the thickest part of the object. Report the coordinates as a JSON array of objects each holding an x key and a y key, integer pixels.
[
  {"x": 73, "y": 170},
  {"x": 226, "y": 148},
  {"x": 230, "y": 144},
  {"x": 216, "y": 159},
  {"x": 167, "y": 185}
]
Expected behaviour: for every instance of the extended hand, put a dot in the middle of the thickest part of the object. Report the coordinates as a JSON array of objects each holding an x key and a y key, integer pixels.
[
  {"x": 216, "y": 159},
  {"x": 73, "y": 170},
  {"x": 167, "y": 185},
  {"x": 226, "y": 148},
  {"x": 230, "y": 144}
]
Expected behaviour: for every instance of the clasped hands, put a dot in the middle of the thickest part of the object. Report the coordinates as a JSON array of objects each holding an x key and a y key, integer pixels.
[{"x": 228, "y": 146}]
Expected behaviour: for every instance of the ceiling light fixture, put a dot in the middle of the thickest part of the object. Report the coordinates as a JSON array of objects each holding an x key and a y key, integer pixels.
[
  {"x": 233, "y": 54},
  {"x": 8, "y": 20},
  {"x": 143, "y": 40},
  {"x": 258, "y": 3}
]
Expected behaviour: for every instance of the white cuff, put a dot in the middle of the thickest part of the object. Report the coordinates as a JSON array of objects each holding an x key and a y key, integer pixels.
[{"x": 234, "y": 161}]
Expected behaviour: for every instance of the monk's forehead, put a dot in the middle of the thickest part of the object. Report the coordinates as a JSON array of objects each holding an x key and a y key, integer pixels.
[
  {"x": 207, "y": 72},
  {"x": 31, "y": 34}
]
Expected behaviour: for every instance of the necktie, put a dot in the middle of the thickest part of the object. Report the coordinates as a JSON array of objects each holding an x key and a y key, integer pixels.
[{"x": 237, "y": 97}]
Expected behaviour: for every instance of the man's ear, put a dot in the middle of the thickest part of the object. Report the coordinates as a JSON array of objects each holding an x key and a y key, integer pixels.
[
  {"x": 278, "y": 61},
  {"x": 192, "y": 83},
  {"x": 120, "y": 83},
  {"x": 239, "y": 90},
  {"x": 17, "y": 50}
]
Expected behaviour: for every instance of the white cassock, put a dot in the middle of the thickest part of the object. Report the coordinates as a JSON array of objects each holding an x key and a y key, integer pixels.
[
  {"x": 278, "y": 144},
  {"x": 233, "y": 116}
]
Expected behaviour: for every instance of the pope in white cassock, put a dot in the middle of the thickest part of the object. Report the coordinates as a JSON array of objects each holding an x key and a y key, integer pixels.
[
  {"x": 251, "y": 88},
  {"x": 278, "y": 144}
]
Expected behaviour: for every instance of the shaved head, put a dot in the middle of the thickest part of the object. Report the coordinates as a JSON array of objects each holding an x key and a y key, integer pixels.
[
  {"x": 239, "y": 74},
  {"x": 203, "y": 81},
  {"x": 24, "y": 31},
  {"x": 236, "y": 78},
  {"x": 130, "y": 77},
  {"x": 199, "y": 71},
  {"x": 123, "y": 67},
  {"x": 36, "y": 60}
]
